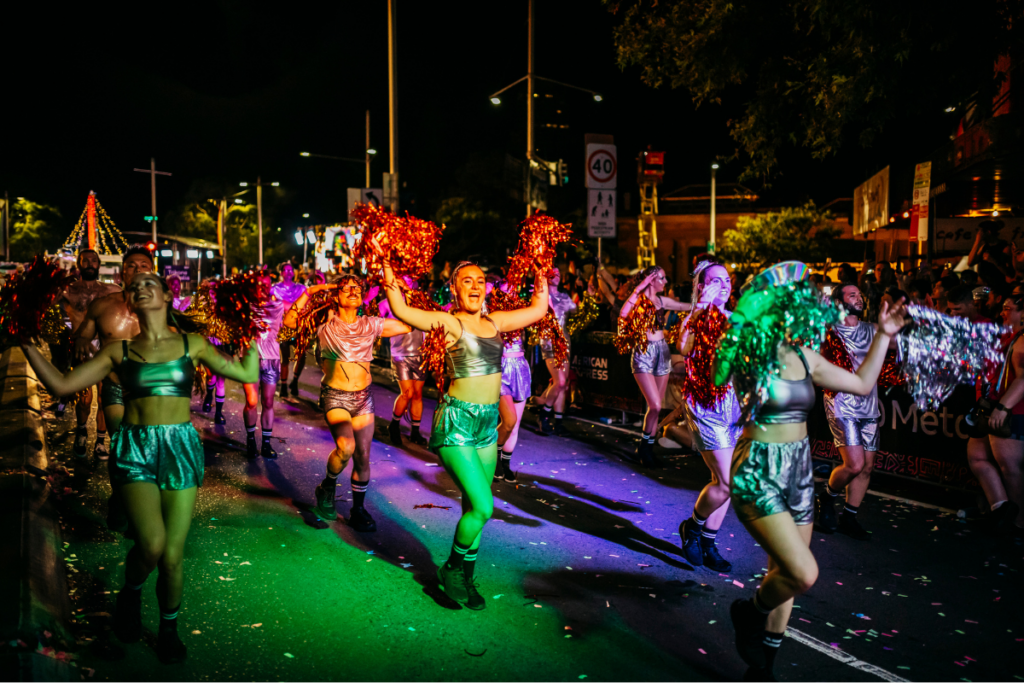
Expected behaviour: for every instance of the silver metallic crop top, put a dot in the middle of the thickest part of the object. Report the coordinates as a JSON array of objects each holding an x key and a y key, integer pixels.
[
  {"x": 789, "y": 400},
  {"x": 473, "y": 356}
]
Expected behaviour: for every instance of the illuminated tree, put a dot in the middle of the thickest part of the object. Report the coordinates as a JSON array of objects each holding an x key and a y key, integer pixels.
[{"x": 803, "y": 233}]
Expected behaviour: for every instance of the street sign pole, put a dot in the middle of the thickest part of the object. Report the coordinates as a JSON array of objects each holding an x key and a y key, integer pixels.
[{"x": 153, "y": 173}]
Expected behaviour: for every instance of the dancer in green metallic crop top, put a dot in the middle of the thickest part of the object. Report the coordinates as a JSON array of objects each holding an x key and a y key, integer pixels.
[
  {"x": 465, "y": 429},
  {"x": 157, "y": 457}
]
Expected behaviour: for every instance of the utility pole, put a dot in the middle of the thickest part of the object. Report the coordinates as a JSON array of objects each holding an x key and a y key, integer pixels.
[
  {"x": 7, "y": 227},
  {"x": 392, "y": 104},
  {"x": 711, "y": 244},
  {"x": 367, "y": 148},
  {"x": 222, "y": 210},
  {"x": 153, "y": 173},
  {"x": 259, "y": 208},
  {"x": 529, "y": 107}
]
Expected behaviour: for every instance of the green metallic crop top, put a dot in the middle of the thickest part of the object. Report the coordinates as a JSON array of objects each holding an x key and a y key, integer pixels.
[
  {"x": 141, "y": 380},
  {"x": 473, "y": 356}
]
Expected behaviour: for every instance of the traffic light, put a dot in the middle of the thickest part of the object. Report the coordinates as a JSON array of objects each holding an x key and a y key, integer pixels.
[
  {"x": 151, "y": 245},
  {"x": 563, "y": 172}
]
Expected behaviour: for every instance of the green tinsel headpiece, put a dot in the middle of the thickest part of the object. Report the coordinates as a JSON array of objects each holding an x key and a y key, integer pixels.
[{"x": 779, "y": 306}]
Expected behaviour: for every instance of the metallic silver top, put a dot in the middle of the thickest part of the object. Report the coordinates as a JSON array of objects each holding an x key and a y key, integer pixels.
[
  {"x": 789, "y": 400},
  {"x": 857, "y": 339}
]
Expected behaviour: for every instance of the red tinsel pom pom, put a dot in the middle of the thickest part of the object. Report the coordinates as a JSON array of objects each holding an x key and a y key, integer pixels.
[
  {"x": 500, "y": 302},
  {"x": 432, "y": 351},
  {"x": 539, "y": 237},
  {"x": 236, "y": 307},
  {"x": 410, "y": 243},
  {"x": 26, "y": 297},
  {"x": 892, "y": 371},
  {"x": 705, "y": 328},
  {"x": 834, "y": 351},
  {"x": 547, "y": 328},
  {"x": 633, "y": 329}
]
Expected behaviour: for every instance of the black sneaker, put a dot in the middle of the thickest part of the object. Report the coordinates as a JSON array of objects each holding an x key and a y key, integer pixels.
[
  {"x": 80, "y": 448},
  {"x": 1000, "y": 521},
  {"x": 474, "y": 600},
  {"x": 100, "y": 451},
  {"x": 825, "y": 518},
  {"x": 268, "y": 451},
  {"x": 748, "y": 623},
  {"x": 208, "y": 402},
  {"x": 219, "y": 418},
  {"x": 395, "y": 433},
  {"x": 453, "y": 582},
  {"x": 293, "y": 386},
  {"x": 360, "y": 520},
  {"x": 713, "y": 559},
  {"x": 417, "y": 438},
  {"x": 507, "y": 472},
  {"x": 284, "y": 390},
  {"x": 169, "y": 648},
  {"x": 250, "y": 448},
  {"x": 849, "y": 526},
  {"x": 646, "y": 453},
  {"x": 546, "y": 428},
  {"x": 324, "y": 507},
  {"x": 128, "y": 616},
  {"x": 691, "y": 544}
]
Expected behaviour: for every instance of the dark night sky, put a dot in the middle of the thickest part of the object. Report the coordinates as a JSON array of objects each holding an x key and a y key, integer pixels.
[{"x": 233, "y": 89}]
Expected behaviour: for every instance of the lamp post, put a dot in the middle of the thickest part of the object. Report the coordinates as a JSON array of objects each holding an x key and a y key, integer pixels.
[
  {"x": 530, "y": 77},
  {"x": 259, "y": 208},
  {"x": 711, "y": 244}
]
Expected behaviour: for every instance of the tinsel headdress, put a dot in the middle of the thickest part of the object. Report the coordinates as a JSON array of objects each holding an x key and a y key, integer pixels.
[{"x": 780, "y": 306}]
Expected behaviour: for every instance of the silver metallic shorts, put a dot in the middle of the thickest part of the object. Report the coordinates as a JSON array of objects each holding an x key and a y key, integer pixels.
[
  {"x": 408, "y": 368},
  {"x": 270, "y": 370},
  {"x": 657, "y": 360},
  {"x": 714, "y": 429},
  {"x": 355, "y": 402},
  {"x": 852, "y": 431},
  {"x": 547, "y": 350},
  {"x": 515, "y": 378},
  {"x": 769, "y": 478}
]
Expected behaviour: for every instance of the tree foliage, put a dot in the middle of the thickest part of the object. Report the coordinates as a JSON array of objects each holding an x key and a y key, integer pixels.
[
  {"x": 35, "y": 228},
  {"x": 815, "y": 74},
  {"x": 803, "y": 233}
]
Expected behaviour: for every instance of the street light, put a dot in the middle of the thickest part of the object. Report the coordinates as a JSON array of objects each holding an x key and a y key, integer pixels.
[
  {"x": 298, "y": 238},
  {"x": 495, "y": 98},
  {"x": 371, "y": 151},
  {"x": 305, "y": 215}
]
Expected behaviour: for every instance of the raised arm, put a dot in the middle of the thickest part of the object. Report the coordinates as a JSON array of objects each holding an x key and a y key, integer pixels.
[
  {"x": 509, "y": 321},
  {"x": 627, "y": 306},
  {"x": 393, "y": 328},
  {"x": 420, "y": 319},
  {"x": 291, "y": 317},
  {"x": 85, "y": 375},
  {"x": 246, "y": 370},
  {"x": 828, "y": 376},
  {"x": 673, "y": 305}
]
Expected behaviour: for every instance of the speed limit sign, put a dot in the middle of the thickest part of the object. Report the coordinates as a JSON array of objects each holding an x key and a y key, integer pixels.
[{"x": 602, "y": 167}]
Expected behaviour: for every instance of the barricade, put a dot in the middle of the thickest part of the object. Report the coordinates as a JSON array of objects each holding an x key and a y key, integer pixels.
[{"x": 33, "y": 588}]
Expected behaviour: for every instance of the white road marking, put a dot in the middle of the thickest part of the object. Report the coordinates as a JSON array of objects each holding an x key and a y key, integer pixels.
[{"x": 840, "y": 656}]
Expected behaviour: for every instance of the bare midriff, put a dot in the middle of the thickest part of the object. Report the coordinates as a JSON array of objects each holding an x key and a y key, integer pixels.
[
  {"x": 483, "y": 389},
  {"x": 346, "y": 375}
]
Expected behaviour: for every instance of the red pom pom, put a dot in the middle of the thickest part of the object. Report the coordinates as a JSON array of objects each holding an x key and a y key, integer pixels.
[
  {"x": 539, "y": 237},
  {"x": 432, "y": 351},
  {"x": 705, "y": 328},
  {"x": 633, "y": 329},
  {"x": 500, "y": 301},
  {"x": 547, "y": 328},
  {"x": 236, "y": 307},
  {"x": 26, "y": 297},
  {"x": 410, "y": 243},
  {"x": 892, "y": 371}
]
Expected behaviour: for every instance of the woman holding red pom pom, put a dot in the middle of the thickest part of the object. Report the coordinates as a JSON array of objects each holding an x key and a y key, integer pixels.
[
  {"x": 651, "y": 366},
  {"x": 156, "y": 454},
  {"x": 712, "y": 413},
  {"x": 465, "y": 428},
  {"x": 346, "y": 342}
]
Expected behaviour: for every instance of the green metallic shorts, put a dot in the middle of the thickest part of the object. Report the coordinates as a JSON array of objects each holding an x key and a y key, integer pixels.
[
  {"x": 112, "y": 393},
  {"x": 769, "y": 478},
  {"x": 170, "y": 456},
  {"x": 458, "y": 423}
]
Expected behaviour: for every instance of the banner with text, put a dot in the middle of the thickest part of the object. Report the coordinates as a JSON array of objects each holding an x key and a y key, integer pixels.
[{"x": 603, "y": 376}]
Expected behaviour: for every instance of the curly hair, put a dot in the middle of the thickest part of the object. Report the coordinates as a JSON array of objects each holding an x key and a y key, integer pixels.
[{"x": 640, "y": 276}]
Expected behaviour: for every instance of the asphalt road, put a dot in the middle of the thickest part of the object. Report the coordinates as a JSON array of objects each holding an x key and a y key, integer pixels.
[{"x": 580, "y": 566}]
